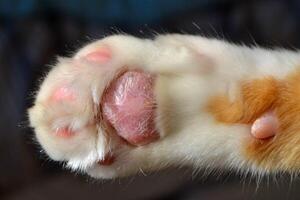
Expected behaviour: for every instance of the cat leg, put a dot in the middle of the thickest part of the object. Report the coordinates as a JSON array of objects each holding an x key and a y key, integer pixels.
[{"x": 72, "y": 111}]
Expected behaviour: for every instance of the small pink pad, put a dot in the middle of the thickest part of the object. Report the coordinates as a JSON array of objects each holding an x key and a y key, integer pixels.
[
  {"x": 265, "y": 126},
  {"x": 64, "y": 132},
  {"x": 99, "y": 56},
  {"x": 129, "y": 106},
  {"x": 108, "y": 160},
  {"x": 63, "y": 93}
]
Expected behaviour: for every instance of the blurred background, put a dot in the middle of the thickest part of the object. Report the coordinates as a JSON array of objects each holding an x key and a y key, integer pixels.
[{"x": 33, "y": 32}]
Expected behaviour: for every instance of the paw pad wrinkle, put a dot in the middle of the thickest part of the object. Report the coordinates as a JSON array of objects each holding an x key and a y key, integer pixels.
[{"x": 130, "y": 108}]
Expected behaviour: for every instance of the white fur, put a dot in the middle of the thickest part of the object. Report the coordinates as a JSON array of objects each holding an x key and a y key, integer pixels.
[{"x": 190, "y": 70}]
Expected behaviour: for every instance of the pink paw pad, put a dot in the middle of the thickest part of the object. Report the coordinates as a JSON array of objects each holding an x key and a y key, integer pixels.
[
  {"x": 107, "y": 160},
  {"x": 64, "y": 132},
  {"x": 99, "y": 56},
  {"x": 130, "y": 107},
  {"x": 63, "y": 93},
  {"x": 265, "y": 126}
]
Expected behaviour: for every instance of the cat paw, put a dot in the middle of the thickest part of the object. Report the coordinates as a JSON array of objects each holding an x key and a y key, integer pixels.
[{"x": 94, "y": 108}]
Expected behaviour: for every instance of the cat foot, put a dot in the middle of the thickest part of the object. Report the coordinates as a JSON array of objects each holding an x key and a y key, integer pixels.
[{"x": 94, "y": 108}]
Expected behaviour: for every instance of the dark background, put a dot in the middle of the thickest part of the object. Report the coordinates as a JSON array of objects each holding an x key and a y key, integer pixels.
[{"x": 33, "y": 32}]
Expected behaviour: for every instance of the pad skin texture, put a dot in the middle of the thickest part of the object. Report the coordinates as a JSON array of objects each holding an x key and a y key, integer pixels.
[
  {"x": 129, "y": 106},
  {"x": 206, "y": 95}
]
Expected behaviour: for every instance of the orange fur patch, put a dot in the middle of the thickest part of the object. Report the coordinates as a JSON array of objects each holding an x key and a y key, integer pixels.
[{"x": 281, "y": 152}]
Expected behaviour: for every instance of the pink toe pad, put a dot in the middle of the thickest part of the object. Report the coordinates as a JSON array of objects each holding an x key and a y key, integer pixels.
[
  {"x": 108, "y": 160},
  {"x": 100, "y": 56},
  {"x": 63, "y": 93},
  {"x": 64, "y": 132}
]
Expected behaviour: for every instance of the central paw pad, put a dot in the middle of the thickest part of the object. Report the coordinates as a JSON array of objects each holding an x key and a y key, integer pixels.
[{"x": 129, "y": 106}]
